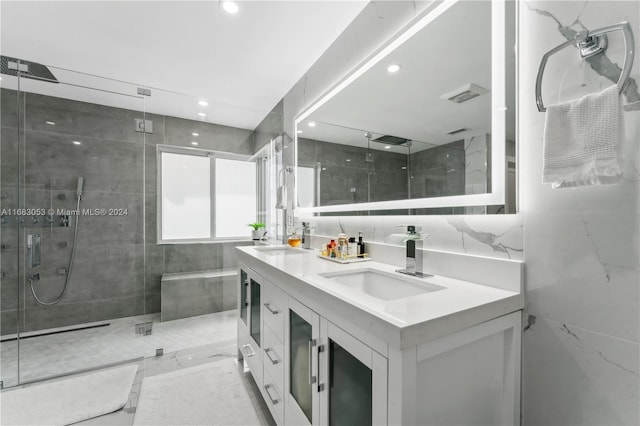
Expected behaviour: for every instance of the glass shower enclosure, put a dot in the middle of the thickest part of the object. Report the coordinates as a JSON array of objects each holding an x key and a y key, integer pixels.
[
  {"x": 72, "y": 195},
  {"x": 81, "y": 263}
]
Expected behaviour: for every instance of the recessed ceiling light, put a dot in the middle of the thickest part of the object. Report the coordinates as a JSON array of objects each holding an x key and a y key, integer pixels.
[
  {"x": 348, "y": 159},
  {"x": 299, "y": 131},
  {"x": 50, "y": 123},
  {"x": 195, "y": 134},
  {"x": 404, "y": 168},
  {"x": 202, "y": 114},
  {"x": 230, "y": 7},
  {"x": 194, "y": 143},
  {"x": 203, "y": 103},
  {"x": 77, "y": 143},
  {"x": 387, "y": 147},
  {"x": 324, "y": 168},
  {"x": 393, "y": 68},
  {"x": 311, "y": 124}
]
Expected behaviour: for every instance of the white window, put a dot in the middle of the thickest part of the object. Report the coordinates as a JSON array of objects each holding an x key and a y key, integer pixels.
[
  {"x": 204, "y": 196},
  {"x": 307, "y": 187}
]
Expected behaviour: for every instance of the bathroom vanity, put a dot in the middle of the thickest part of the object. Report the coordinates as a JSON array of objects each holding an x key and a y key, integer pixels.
[{"x": 362, "y": 344}]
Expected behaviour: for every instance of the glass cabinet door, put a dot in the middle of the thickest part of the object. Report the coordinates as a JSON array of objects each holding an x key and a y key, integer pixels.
[
  {"x": 354, "y": 381},
  {"x": 301, "y": 377},
  {"x": 300, "y": 349},
  {"x": 255, "y": 305},
  {"x": 244, "y": 283},
  {"x": 349, "y": 388}
]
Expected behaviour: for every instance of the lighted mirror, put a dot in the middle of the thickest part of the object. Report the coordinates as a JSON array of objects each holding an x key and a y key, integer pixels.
[{"x": 427, "y": 125}]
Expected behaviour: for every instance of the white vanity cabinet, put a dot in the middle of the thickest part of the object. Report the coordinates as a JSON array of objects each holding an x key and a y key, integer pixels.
[
  {"x": 311, "y": 371},
  {"x": 319, "y": 359}
]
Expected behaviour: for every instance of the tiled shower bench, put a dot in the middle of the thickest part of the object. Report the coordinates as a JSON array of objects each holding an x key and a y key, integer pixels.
[{"x": 187, "y": 294}]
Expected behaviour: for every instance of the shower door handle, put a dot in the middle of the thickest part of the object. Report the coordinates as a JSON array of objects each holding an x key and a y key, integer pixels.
[{"x": 33, "y": 249}]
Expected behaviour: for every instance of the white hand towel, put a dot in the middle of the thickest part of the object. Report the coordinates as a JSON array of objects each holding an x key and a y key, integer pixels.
[{"x": 580, "y": 140}]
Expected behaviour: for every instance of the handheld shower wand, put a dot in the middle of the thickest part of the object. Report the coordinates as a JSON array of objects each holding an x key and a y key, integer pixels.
[{"x": 79, "y": 187}]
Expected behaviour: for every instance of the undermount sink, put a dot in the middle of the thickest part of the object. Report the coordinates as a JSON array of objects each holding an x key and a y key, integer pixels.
[
  {"x": 276, "y": 250},
  {"x": 380, "y": 284}
]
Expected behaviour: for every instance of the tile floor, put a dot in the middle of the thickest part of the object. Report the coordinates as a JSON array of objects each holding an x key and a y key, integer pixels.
[
  {"x": 220, "y": 330},
  {"x": 64, "y": 353}
]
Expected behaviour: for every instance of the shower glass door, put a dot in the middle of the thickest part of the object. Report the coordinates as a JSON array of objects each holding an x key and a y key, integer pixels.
[
  {"x": 80, "y": 225},
  {"x": 10, "y": 100}
]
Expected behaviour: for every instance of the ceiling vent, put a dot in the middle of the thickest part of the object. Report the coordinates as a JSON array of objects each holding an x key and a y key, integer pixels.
[
  {"x": 464, "y": 93},
  {"x": 456, "y": 131}
]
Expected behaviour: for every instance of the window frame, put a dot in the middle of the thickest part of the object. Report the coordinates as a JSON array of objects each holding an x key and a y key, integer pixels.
[{"x": 212, "y": 155}]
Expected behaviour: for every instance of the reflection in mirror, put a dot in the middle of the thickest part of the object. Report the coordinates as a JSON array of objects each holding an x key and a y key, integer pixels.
[{"x": 418, "y": 124}]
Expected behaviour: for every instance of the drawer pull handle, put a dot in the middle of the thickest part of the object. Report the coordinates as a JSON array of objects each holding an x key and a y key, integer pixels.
[
  {"x": 274, "y": 401},
  {"x": 272, "y": 310},
  {"x": 274, "y": 361},
  {"x": 246, "y": 351}
]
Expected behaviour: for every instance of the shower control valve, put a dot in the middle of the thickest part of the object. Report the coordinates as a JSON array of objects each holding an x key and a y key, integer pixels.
[{"x": 34, "y": 277}]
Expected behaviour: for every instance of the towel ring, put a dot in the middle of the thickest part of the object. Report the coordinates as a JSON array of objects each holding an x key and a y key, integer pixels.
[{"x": 590, "y": 44}]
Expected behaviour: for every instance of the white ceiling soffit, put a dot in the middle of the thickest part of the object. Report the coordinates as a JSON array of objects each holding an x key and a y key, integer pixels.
[{"x": 241, "y": 64}]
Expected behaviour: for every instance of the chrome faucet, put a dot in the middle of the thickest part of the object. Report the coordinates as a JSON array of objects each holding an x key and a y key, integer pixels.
[{"x": 414, "y": 254}]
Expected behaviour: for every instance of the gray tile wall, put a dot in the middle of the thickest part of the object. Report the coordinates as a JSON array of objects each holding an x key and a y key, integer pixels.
[
  {"x": 433, "y": 172},
  {"x": 118, "y": 264},
  {"x": 270, "y": 127},
  {"x": 346, "y": 182},
  {"x": 438, "y": 171}
]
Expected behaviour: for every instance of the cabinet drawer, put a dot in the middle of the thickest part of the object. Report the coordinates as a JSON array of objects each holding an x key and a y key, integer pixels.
[
  {"x": 253, "y": 356},
  {"x": 275, "y": 303},
  {"x": 274, "y": 398},
  {"x": 273, "y": 358}
]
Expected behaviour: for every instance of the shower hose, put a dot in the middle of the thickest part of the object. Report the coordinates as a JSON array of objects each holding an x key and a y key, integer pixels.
[{"x": 68, "y": 277}]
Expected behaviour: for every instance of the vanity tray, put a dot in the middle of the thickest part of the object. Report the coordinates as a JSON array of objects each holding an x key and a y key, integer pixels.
[{"x": 347, "y": 260}]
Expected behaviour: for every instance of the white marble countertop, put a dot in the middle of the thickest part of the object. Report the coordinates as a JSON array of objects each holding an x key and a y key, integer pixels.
[{"x": 458, "y": 305}]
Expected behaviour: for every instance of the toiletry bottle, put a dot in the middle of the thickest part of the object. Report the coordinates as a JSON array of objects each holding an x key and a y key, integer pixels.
[
  {"x": 360, "y": 245},
  {"x": 342, "y": 246},
  {"x": 332, "y": 248},
  {"x": 353, "y": 247}
]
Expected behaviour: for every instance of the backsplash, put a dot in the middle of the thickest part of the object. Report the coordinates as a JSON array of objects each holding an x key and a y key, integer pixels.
[{"x": 460, "y": 234}]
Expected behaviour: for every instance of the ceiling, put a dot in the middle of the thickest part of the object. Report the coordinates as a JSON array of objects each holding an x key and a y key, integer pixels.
[
  {"x": 447, "y": 54},
  {"x": 241, "y": 64}
]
